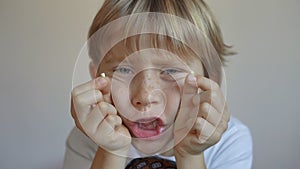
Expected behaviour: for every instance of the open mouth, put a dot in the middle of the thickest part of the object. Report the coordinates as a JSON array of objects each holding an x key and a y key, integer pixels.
[{"x": 147, "y": 128}]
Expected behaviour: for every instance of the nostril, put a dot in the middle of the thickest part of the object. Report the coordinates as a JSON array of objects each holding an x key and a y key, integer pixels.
[
  {"x": 143, "y": 102},
  {"x": 138, "y": 103}
]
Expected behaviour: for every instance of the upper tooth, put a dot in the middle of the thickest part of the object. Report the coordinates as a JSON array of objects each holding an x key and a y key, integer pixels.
[{"x": 152, "y": 124}]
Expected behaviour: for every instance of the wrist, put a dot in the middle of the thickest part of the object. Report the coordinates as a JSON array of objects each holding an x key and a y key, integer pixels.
[{"x": 184, "y": 161}]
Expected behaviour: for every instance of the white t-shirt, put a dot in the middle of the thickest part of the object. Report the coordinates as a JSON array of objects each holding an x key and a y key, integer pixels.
[{"x": 233, "y": 151}]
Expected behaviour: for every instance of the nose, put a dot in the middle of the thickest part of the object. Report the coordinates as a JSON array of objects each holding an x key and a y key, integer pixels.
[{"x": 144, "y": 90}]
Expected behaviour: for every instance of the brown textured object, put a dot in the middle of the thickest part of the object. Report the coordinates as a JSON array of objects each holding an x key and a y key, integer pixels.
[{"x": 151, "y": 163}]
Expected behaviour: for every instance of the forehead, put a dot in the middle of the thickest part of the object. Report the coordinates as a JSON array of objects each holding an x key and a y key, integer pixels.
[
  {"x": 150, "y": 47},
  {"x": 153, "y": 57}
]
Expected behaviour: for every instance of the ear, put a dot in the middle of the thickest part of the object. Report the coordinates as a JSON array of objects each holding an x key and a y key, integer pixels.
[{"x": 93, "y": 70}]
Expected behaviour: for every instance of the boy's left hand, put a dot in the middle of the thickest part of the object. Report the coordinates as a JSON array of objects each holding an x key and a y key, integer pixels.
[{"x": 203, "y": 116}]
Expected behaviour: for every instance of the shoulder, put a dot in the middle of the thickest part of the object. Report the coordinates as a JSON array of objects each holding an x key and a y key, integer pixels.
[
  {"x": 80, "y": 150},
  {"x": 79, "y": 142},
  {"x": 234, "y": 150}
]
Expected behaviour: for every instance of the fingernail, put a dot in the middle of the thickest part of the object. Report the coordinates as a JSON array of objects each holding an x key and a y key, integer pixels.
[
  {"x": 101, "y": 81},
  {"x": 102, "y": 74},
  {"x": 191, "y": 78}
]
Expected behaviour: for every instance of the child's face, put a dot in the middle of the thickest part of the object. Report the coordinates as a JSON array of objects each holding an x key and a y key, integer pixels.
[{"x": 146, "y": 91}]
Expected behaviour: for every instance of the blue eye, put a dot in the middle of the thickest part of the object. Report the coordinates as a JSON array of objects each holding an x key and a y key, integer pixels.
[
  {"x": 172, "y": 74},
  {"x": 123, "y": 70},
  {"x": 169, "y": 71}
]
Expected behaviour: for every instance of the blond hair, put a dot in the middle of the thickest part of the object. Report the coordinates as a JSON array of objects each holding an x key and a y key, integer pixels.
[{"x": 195, "y": 11}]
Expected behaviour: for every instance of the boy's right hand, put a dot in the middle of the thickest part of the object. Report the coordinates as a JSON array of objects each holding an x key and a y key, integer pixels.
[{"x": 97, "y": 118}]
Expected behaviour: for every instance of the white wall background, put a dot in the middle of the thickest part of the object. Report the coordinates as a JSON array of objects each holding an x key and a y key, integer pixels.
[{"x": 39, "y": 43}]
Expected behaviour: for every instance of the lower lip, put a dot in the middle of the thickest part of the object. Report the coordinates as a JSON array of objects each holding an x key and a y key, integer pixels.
[{"x": 146, "y": 133}]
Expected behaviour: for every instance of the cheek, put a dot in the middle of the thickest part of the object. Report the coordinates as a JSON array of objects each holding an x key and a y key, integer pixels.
[
  {"x": 120, "y": 94},
  {"x": 173, "y": 102},
  {"x": 120, "y": 97}
]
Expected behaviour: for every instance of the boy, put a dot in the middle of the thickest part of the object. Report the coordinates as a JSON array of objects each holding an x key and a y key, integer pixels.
[{"x": 159, "y": 94}]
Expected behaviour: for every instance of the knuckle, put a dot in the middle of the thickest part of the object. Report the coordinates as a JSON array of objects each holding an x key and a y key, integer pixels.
[
  {"x": 118, "y": 119},
  {"x": 110, "y": 118},
  {"x": 213, "y": 95},
  {"x": 103, "y": 106},
  {"x": 205, "y": 107}
]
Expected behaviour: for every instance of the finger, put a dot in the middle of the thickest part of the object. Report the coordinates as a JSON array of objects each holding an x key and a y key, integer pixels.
[
  {"x": 107, "y": 108},
  {"x": 218, "y": 103},
  {"x": 215, "y": 98},
  {"x": 122, "y": 132},
  {"x": 108, "y": 126},
  {"x": 216, "y": 134},
  {"x": 209, "y": 113},
  {"x": 107, "y": 89},
  {"x": 91, "y": 121},
  {"x": 98, "y": 83},
  {"x": 222, "y": 127},
  {"x": 85, "y": 102},
  {"x": 202, "y": 130},
  {"x": 190, "y": 85},
  {"x": 96, "y": 114},
  {"x": 206, "y": 84},
  {"x": 111, "y": 132},
  {"x": 223, "y": 124},
  {"x": 114, "y": 120},
  {"x": 88, "y": 98},
  {"x": 206, "y": 130}
]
